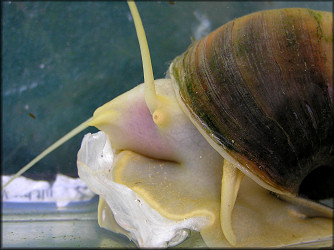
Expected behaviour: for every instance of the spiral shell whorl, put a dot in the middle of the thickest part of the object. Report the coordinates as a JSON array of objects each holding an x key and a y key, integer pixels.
[{"x": 261, "y": 86}]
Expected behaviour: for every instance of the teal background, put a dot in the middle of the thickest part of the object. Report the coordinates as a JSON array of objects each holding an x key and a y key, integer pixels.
[{"x": 62, "y": 60}]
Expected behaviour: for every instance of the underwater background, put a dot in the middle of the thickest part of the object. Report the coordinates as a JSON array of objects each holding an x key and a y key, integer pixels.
[{"x": 62, "y": 60}]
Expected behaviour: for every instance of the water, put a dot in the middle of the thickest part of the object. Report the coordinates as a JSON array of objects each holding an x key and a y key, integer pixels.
[{"x": 62, "y": 60}]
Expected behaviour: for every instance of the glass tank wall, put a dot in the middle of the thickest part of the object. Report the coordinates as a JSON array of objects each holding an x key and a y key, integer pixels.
[{"x": 61, "y": 61}]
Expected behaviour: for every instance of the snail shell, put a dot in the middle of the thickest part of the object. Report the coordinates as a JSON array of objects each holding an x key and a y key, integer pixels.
[{"x": 261, "y": 89}]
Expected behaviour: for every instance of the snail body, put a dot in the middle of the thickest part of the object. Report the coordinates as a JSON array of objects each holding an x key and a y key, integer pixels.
[
  {"x": 237, "y": 103},
  {"x": 253, "y": 98}
]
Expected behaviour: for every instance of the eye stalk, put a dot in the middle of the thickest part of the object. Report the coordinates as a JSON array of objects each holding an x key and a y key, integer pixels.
[
  {"x": 160, "y": 117},
  {"x": 153, "y": 101}
]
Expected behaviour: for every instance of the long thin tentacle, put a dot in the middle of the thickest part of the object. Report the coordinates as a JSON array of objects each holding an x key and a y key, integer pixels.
[
  {"x": 47, "y": 151},
  {"x": 231, "y": 181},
  {"x": 150, "y": 93}
]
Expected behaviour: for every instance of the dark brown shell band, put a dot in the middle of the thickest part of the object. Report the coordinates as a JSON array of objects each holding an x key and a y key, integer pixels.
[{"x": 262, "y": 87}]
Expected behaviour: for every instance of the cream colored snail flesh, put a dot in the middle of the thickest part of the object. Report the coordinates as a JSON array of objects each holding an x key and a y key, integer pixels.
[
  {"x": 247, "y": 112},
  {"x": 223, "y": 143}
]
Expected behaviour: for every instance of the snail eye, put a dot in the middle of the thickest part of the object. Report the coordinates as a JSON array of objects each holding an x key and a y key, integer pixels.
[{"x": 160, "y": 117}]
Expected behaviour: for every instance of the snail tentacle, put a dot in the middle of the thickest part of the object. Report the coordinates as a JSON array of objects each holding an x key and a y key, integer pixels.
[
  {"x": 231, "y": 181},
  {"x": 156, "y": 103},
  {"x": 150, "y": 93},
  {"x": 104, "y": 117},
  {"x": 47, "y": 151}
]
